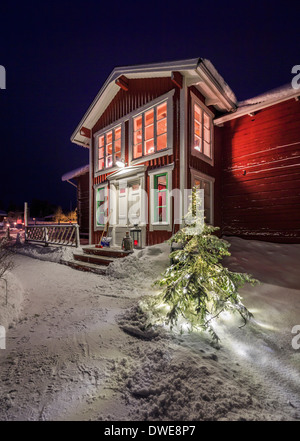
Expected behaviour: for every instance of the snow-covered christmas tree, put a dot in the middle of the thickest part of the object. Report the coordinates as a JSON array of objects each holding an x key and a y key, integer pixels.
[{"x": 196, "y": 284}]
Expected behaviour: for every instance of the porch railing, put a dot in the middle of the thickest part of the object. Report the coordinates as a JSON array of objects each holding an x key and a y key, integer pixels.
[{"x": 67, "y": 235}]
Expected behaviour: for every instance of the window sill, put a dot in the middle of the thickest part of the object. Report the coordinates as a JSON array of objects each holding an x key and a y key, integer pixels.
[
  {"x": 142, "y": 159},
  {"x": 106, "y": 171},
  {"x": 202, "y": 157}
]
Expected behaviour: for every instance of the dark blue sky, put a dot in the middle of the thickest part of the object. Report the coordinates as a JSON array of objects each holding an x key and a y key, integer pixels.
[{"x": 57, "y": 56}]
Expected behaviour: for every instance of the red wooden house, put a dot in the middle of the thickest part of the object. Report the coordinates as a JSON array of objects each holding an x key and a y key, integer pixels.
[{"x": 154, "y": 130}]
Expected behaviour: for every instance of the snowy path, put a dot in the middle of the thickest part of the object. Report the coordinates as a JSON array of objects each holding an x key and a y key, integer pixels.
[
  {"x": 56, "y": 358},
  {"x": 68, "y": 358}
]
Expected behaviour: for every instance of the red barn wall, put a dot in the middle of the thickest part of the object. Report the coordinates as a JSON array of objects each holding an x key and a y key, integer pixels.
[{"x": 261, "y": 174}]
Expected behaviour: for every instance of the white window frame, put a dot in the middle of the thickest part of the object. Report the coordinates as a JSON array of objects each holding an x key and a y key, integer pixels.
[
  {"x": 168, "y": 97},
  {"x": 195, "y": 174},
  {"x": 165, "y": 226},
  {"x": 97, "y": 135},
  {"x": 196, "y": 100},
  {"x": 98, "y": 227}
]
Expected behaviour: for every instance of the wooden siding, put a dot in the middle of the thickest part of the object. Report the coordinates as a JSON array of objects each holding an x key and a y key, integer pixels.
[{"x": 261, "y": 174}]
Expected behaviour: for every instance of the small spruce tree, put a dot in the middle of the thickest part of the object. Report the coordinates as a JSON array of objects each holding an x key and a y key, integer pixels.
[{"x": 196, "y": 285}]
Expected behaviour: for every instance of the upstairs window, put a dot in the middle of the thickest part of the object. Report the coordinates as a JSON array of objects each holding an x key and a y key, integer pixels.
[
  {"x": 109, "y": 148},
  {"x": 150, "y": 131},
  {"x": 201, "y": 132}
]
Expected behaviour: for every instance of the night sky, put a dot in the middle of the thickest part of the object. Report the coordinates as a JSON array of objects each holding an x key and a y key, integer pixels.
[{"x": 57, "y": 56}]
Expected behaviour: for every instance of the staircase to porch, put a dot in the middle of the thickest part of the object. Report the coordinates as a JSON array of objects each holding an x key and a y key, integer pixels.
[{"x": 94, "y": 259}]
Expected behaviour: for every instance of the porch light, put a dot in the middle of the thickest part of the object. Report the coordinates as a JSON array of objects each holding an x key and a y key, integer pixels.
[{"x": 120, "y": 163}]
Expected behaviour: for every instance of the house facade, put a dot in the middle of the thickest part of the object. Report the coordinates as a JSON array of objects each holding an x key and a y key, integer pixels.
[{"x": 154, "y": 131}]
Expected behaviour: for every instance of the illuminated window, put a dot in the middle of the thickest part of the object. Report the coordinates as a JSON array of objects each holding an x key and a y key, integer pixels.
[
  {"x": 161, "y": 198},
  {"x": 109, "y": 148},
  {"x": 101, "y": 205},
  {"x": 202, "y": 132},
  {"x": 150, "y": 131},
  {"x": 207, "y": 186}
]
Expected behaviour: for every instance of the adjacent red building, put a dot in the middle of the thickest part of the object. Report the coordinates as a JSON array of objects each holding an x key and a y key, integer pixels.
[{"x": 156, "y": 130}]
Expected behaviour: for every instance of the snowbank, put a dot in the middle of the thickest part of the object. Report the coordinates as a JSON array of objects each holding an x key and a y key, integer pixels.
[
  {"x": 51, "y": 253},
  {"x": 10, "y": 299}
]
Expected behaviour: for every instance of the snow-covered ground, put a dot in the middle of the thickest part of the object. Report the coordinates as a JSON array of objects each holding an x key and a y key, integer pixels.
[{"x": 78, "y": 349}]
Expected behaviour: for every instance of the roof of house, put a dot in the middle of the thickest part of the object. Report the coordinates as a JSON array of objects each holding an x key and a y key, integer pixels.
[
  {"x": 199, "y": 72},
  {"x": 75, "y": 173},
  {"x": 3, "y": 213},
  {"x": 262, "y": 101}
]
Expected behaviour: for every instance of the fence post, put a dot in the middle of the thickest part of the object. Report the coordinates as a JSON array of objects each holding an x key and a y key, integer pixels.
[
  {"x": 46, "y": 236},
  {"x": 77, "y": 236}
]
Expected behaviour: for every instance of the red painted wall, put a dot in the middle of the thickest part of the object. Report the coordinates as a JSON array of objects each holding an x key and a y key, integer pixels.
[{"x": 261, "y": 174}]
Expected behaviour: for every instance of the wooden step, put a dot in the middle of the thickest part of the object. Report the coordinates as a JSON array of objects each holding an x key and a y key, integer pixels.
[
  {"x": 84, "y": 266},
  {"x": 106, "y": 252},
  {"x": 95, "y": 259}
]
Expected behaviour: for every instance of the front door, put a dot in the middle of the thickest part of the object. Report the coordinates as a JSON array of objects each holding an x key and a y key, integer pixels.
[{"x": 129, "y": 203}]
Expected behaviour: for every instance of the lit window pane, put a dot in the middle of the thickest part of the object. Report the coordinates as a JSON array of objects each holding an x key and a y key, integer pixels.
[
  {"x": 109, "y": 149},
  {"x": 197, "y": 129},
  {"x": 118, "y": 145},
  {"x": 162, "y": 197},
  {"x": 162, "y": 126},
  {"x": 206, "y": 120},
  {"x": 108, "y": 137},
  {"x": 207, "y": 149},
  {"x": 137, "y": 138},
  {"x": 118, "y": 133},
  {"x": 161, "y": 111},
  {"x": 197, "y": 113},
  {"x": 137, "y": 151},
  {"x": 137, "y": 122},
  {"x": 101, "y": 164},
  {"x": 149, "y": 117},
  {"x": 162, "y": 142},
  {"x": 197, "y": 143},
  {"x": 149, "y": 132},
  {"x": 101, "y": 141},
  {"x": 162, "y": 214},
  {"x": 197, "y": 183},
  {"x": 108, "y": 161},
  {"x": 162, "y": 182},
  {"x": 149, "y": 147},
  {"x": 101, "y": 152},
  {"x": 206, "y": 135}
]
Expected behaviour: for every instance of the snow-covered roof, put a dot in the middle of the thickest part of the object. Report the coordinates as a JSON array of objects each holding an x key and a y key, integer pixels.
[
  {"x": 75, "y": 173},
  {"x": 197, "y": 71},
  {"x": 266, "y": 99}
]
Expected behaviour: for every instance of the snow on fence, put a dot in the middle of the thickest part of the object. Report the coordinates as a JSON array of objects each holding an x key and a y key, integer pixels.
[{"x": 53, "y": 234}]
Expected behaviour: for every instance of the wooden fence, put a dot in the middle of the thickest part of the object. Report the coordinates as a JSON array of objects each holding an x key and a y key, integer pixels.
[{"x": 67, "y": 235}]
